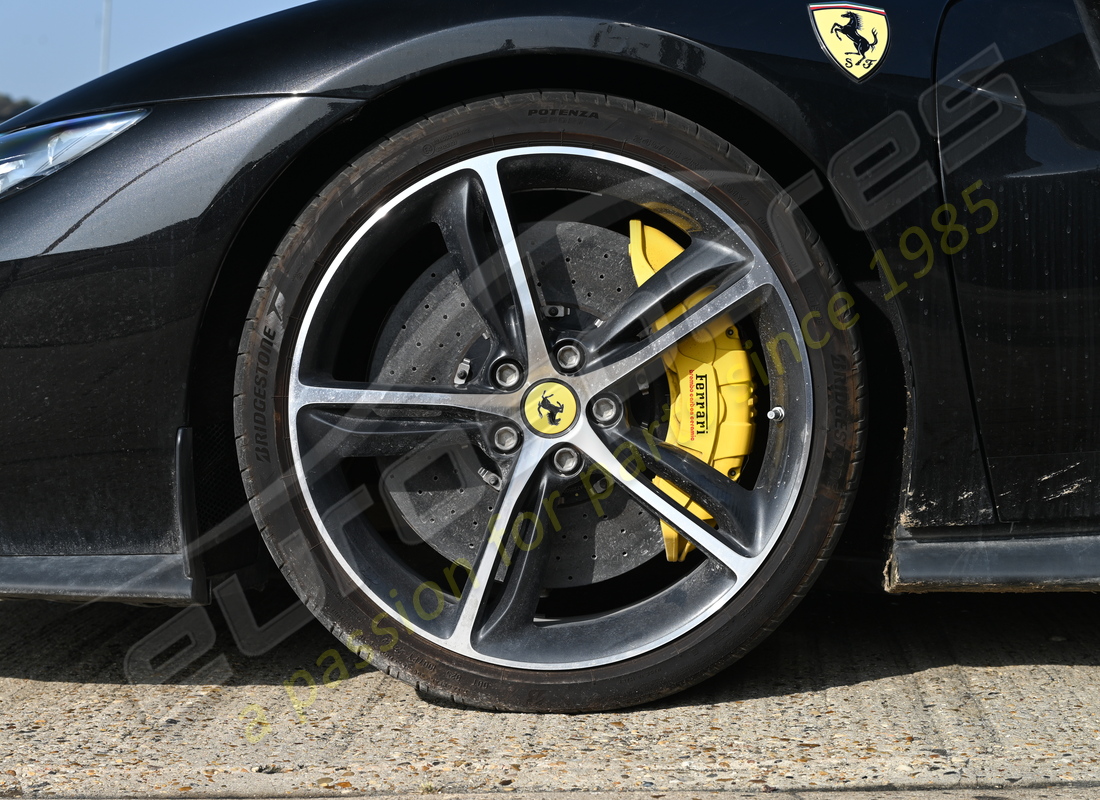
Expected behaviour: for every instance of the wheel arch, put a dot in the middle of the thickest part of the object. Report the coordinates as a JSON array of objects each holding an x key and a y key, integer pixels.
[{"x": 782, "y": 153}]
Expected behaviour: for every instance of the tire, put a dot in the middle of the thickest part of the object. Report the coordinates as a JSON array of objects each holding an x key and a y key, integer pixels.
[{"x": 461, "y": 422}]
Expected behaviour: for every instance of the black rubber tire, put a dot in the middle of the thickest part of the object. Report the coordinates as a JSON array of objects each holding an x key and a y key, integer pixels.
[{"x": 645, "y": 133}]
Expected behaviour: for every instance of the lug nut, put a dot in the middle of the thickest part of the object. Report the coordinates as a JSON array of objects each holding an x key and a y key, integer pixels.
[
  {"x": 507, "y": 375},
  {"x": 605, "y": 410},
  {"x": 569, "y": 357},
  {"x": 506, "y": 439},
  {"x": 566, "y": 460},
  {"x": 777, "y": 414}
]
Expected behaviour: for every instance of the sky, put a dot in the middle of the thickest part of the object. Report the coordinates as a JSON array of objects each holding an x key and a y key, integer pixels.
[{"x": 51, "y": 46}]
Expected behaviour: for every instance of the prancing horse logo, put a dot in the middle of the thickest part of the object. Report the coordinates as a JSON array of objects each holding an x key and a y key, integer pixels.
[
  {"x": 553, "y": 410},
  {"x": 851, "y": 30},
  {"x": 855, "y": 37},
  {"x": 546, "y": 416}
]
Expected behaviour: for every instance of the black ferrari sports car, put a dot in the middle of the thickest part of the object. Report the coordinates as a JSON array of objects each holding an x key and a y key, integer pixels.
[{"x": 549, "y": 349}]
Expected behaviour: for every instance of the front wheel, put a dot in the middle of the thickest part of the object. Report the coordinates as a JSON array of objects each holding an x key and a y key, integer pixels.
[{"x": 550, "y": 403}]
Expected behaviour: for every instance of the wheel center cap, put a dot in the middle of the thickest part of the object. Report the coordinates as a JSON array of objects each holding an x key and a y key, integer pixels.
[{"x": 550, "y": 408}]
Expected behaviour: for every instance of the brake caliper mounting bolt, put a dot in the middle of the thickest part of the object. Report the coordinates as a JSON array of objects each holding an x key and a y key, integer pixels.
[
  {"x": 507, "y": 375},
  {"x": 566, "y": 460},
  {"x": 506, "y": 439},
  {"x": 777, "y": 414},
  {"x": 605, "y": 410},
  {"x": 569, "y": 357}
]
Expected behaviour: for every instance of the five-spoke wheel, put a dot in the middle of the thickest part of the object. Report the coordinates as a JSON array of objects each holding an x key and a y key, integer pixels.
[{"x": 519, "y": 370}]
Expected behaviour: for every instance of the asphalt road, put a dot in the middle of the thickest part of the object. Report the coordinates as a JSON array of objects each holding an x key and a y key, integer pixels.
[{"x": 995, "y": 696}]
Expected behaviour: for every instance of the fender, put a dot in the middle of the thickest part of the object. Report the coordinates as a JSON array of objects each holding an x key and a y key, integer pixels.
[
  {"x": 373, "y": 47},
  {"x": 741, "y": 53}
]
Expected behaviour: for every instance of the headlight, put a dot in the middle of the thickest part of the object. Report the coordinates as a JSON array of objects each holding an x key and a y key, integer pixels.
[{"x": 27, "y": 155}]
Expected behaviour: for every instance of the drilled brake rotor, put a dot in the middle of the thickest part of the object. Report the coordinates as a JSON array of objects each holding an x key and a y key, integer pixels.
[{"x": 440, "y": 495}]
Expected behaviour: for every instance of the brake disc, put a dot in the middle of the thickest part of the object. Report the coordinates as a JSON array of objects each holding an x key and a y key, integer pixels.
[{"x": 443, "y": 496}]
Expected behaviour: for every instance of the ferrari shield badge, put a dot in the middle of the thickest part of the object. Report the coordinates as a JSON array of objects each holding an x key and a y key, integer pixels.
[{"x": 855, "y": 37}]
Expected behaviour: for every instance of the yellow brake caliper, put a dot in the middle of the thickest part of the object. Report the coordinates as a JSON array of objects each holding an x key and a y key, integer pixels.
[{"x": 709, "y": 377}]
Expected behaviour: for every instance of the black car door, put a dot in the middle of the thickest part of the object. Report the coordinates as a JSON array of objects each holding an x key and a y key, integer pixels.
[{"x": 1026, "y": 262}]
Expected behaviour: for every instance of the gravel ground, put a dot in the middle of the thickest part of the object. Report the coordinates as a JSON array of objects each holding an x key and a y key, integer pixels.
[{"x": 996, "y": 695}]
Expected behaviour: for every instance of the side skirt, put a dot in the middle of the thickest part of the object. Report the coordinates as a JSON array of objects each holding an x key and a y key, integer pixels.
[
  {"x": 160, "y": 579},
  {"x": 995, "y": 558}
]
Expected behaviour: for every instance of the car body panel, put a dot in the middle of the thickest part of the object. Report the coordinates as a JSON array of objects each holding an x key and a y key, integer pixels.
[
  {"x": 349, "y": 48},
  {"x": 1028, "y": 291},
  {"x": 105, "y": 270},
  {"x": 108, "y": 288}
]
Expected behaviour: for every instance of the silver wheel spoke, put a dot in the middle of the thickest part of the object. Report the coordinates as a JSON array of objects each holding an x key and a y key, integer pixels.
[
  {"x": 538, "y": 357},
  {"x": 513, "y": 611},
  {"x": 335, "y": 434},
  {"x": 473, "y": 599},
  {"x": 353, "y": 395},
  {"x": 460, "y": 213},
  {"x": 738, "y": 511},
  {"x": 700, "y": 264},
  {"x": 701, "y": 535},
  {"x": 740, "y": 297}
]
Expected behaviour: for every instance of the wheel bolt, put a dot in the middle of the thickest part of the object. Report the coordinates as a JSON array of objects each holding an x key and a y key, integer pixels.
[
  {"x": 506, "y": 438},
  {"x": 605, "y": 410},
  {"x": 566, "y": 460},
  {"x": 507, "y": 375},
  {"x": 777, "y": 414},
  {"x": 569, "y": 357}
]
